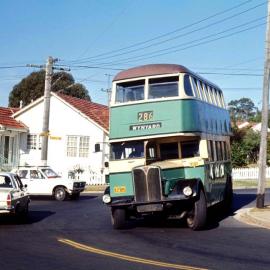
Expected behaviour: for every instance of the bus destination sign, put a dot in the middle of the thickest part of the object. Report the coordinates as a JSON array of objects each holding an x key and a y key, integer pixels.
[{"x": 145, "y": 126}]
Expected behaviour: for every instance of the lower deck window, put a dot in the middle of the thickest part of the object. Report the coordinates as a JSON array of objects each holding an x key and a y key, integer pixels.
[
  {"x": 169, "y": 151},
  {"x": 190, "y": 149},
  {"x": 126, "y": 150}
]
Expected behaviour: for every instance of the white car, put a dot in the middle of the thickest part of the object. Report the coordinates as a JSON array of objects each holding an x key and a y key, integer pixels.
[
  {"x": 42, "y": 180},
  {"x": 14, "y": 198}
]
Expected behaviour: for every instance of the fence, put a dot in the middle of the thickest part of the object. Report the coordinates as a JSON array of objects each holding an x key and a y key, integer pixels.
[
  {"x": 248, "y": 173},
  {"x": 91, "y": 177}
]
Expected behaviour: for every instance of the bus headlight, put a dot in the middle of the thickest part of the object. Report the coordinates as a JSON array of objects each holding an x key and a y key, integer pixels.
[
  {"x": 106, "y": 198},
  {"x": 187, "y": 191}
]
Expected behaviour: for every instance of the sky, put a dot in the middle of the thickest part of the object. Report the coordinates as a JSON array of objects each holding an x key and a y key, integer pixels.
[{"x": 223, "y": 41}]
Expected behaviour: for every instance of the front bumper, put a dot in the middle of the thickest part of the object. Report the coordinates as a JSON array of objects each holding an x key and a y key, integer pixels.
[{"x": 129, "y": 200}]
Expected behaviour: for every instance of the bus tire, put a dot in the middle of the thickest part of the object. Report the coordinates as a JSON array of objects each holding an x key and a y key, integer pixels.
[
  {"x": 196, "y": 218},
  {"x": 118, "y": 218}
]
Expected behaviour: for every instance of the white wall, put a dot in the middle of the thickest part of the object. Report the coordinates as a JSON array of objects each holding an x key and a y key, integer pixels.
[{"x": 64, "y": 121}]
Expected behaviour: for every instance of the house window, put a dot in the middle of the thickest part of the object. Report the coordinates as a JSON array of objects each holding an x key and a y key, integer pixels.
[
  {"x": 78, "y": 146},
  {"x": 72, "y": 146},
  {"x": 84, "y": 146},
  {"x": 31, "y": 141}
]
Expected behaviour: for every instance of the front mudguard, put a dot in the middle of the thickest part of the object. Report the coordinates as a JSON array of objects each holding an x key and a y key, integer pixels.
[{"x": 177, "y": 190}]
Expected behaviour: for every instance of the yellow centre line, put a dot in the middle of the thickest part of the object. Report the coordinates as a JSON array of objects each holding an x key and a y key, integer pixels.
[{"x": 125, "y": 257}]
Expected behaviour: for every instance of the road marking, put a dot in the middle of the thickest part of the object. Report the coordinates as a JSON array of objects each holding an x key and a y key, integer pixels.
[{"x": 125, "y": 257}]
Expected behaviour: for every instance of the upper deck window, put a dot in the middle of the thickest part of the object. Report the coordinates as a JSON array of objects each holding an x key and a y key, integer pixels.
[
  {"x": 163, "y": 87},
  {"x": 129, "y": 91},
  {"x": 187, "y": 86}
]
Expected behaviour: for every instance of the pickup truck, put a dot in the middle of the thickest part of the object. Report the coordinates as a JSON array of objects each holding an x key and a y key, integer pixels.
[
  {"x": 43, "y": 180},
  {"x": 14, "y": 198}
]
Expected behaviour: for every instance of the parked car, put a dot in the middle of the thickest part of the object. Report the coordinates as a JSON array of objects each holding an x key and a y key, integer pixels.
[
  {"x": 43, "y": 180},
  {"x": 14, "y": 198}
]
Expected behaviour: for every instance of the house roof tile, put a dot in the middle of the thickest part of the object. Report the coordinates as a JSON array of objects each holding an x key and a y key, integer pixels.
[{"x": 7, "y": 120}]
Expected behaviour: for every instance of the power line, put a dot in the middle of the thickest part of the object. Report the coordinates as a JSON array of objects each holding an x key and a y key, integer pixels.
[
  {"x": 176, "y": 37},
  {"x": 231, "y": 74},
  {"x": 90, "y": 67},
  {"x": 10, "y": 67},
  {"x": 174, "y": 31},
  {"x": 148, "y": 55}
]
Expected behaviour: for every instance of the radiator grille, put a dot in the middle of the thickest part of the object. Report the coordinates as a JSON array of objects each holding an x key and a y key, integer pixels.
[{"x": 147, "y": 184}]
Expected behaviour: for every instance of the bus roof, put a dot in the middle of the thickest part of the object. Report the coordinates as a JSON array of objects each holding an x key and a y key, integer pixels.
[
  {"x": 150, "y": 70},
  {"x": 157, "y": 69}
]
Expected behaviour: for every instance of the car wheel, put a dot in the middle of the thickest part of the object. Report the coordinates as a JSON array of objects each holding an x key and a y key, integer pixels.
[
  {"x": 196, "y": 218},
  {"x": 118, "y": 218},
  {"x": 60, "y": 194}
]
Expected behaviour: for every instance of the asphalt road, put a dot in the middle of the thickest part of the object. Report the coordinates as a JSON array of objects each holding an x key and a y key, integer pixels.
[{"x": 78, "y": 235}]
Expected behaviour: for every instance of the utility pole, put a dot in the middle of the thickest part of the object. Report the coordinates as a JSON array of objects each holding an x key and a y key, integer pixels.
[
  {"x": 108, "y": 90},
  {"x": 46, "y": 110},
  {"x": 264, "y": 126}
]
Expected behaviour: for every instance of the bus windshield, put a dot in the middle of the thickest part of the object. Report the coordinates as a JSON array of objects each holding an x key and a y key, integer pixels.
[
  {"x": 163, "y": 87},
  {"x": 130, "y": 91},
  {"x": 127, "y": 150}
]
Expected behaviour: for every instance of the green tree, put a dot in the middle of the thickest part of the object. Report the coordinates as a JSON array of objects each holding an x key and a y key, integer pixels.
[
  {"x": 242, "y": 109},
  {"x": 32, "y": 87},
  {"x": 245, "y": 145}
]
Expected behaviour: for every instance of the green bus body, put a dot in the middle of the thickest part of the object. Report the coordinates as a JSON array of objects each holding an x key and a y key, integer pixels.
[
  {"x": 185, "y": 140},
  {"x": 174, "y": 116}
]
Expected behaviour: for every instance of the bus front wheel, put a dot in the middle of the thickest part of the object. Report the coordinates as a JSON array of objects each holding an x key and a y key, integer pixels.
[
  {"x": 196, "y": 218},
  {"x": 118, "y": 218}
]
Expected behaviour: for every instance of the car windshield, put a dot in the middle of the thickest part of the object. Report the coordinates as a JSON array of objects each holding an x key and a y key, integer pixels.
[{"x": 50, "y": 173}]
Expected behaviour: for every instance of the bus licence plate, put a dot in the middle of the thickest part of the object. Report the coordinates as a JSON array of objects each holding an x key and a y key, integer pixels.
[{"x": 150, "y": 208}]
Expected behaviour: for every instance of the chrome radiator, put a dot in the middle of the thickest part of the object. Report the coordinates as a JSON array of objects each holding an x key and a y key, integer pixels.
[{"x": 147, "y": 184}]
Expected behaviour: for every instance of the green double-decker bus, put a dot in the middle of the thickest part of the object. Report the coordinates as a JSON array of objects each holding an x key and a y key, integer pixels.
[{"x": 169, "y": 145}]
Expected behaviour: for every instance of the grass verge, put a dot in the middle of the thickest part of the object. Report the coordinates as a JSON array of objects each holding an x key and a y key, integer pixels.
[
  {"x": 95, "y": 188},
  {"x": 248, "y": 183}
]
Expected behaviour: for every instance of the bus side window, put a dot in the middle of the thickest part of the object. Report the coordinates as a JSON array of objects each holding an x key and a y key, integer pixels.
[
  {"x": 202, "y": 91},
  {"x": 217, "y": 98},
  {"x": 194, "y": 87},
  {"x": 222, "y": 151},
  {"x": 199, "y": 89},
  {"x": 209, "y": 94},
  {"x": 213, "y": 96},
  {"x": 225, "y": 151},
  {"x": 204, "y": 87},
  {"x": 222, "y": 102},
  {"x": 218, "y": 151},
  {"x": 211, "y": 151},
  {"x": 187, "y": 86}
]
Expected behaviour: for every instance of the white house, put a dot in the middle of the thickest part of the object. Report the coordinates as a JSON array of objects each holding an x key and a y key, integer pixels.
[
  {"x": 75, "y": 126},
  {"x": 258, "y": 127},
  {"x": 10, "y": 134}
]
